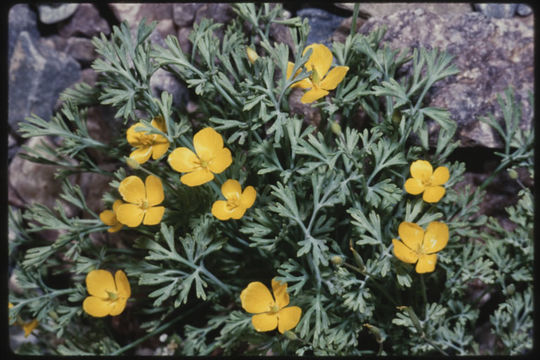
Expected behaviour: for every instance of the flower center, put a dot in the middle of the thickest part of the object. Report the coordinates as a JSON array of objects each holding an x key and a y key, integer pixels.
[
  {"x": 112, "y": 295},
  {"x": 144, "y": 204},
  {"x": 315, "y": 78},
  {"x": 274, "y": 308},
  {"x": 233, "y": 203}
]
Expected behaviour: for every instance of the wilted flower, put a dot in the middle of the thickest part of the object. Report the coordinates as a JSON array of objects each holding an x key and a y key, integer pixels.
[
  {"x": 210, "y": 158},
  {"x": 141, "y": 200},
  {"x": 321, "y": 81},
  {"x": 108, "y": 217},
  {"x": 237, "y": 201},
  {"x": 419, "y": 246},
  {"x": 270, "y": 313},
  {"x": 425, "y": 180},
  {"x": 108, "y": 296}
]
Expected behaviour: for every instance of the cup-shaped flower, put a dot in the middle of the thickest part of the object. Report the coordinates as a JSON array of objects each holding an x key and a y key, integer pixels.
[
  {"x": 425, "y": 180},
  {"x": 321, "y": 81},
  {"x": 141, "y": 201},
  {"x": 146, "y": 144},
  {"x": 210, "y": 158},
  {"x": 28, "y": 327},
  {"x": 237, "y": 202},
  {"x": 108, "y": 217},
  {"x": 108, "y": 296},
  {"x": 419, "y": 246},
  {"x": 270, "y": 312}
]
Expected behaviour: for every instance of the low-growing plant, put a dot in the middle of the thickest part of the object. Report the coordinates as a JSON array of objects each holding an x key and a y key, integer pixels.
[{"x": 242, "y": 227}]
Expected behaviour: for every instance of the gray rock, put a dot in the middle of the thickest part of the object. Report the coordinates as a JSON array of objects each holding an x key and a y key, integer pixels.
[
  {"x": 162, "y": 80},
  {"x": 37, "y": 75},
  {"x": 368, "y": 9},
  {"x": 81, "y": 49},
  {"x": 184, "y": 14},
  {"x": 134, "y": 13},
  {"x": 13, "y": 147},
  {"x": 498, "y": 11},
  {"x": 221, "y": 13},
  {"x": 491, "y": 54},
  {"x": 162, "y": 30},
  {"x": 50, "y": 14},
  {"x": 322, "y": 23},
  {"x": 524, "y": 10},
  {"x": 20, "y": 18},
  {"x": 85, "y": 22}
]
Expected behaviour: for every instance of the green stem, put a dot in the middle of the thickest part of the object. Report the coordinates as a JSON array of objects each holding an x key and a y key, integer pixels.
[
  {"x": 158, "y": 330},
  {"x": 355, "y": 18},
  {"x": 371, "y": 276},
  {"x": 423, "y": 287}
]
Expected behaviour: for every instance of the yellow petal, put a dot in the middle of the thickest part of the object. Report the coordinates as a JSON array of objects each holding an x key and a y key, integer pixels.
[
  {"x": 132, "y": 190},
  {"x": 115, "y": 228},
  {"x": 231, "y": 189},
  {"x": 122, "y": 284},
  {"x": 436, "y": 237},
  {"x": 108, "y": 217},
  {"x": 426, "y": 263},
  {"x": 256, "y": 298},
  {"x": 280, "y": 293},
  {"x": 421, "y": 170},
  {"x": 220, "y": 210},
  {"x": 99, "y": 283},
  {"x": 96, "y": 307},
  {"x": 264, "y": 322},
  {"x": 117, "y": 306},
  {"x": 411, "y": 234},
  {"x": 183, "y": 160},
  {"x": 159, "y": 123},
  {"x": 29, "y": 327},
  {"x": 288, "y": 318},
  {"x": 116, "y": 204},
  {"x": 160, "y": 147},
  {"x": 248, "y": 197},
  {"x": 334, "y": 77},
  {"x": 153, "y": 215},
  {"x": 320, "y": 59},
  {"x": 432, "y": 194},
  {"x": 312, "y": 95},
  {"x": 207, "y": 142},
  {"x": 238, "y": 212},
  {"x": 141, "y": 154},
  {"x": 135, "y": 137},
  {"x": 130, "y": 215},
  {"x": 154, "y": 190},
  {"x": 403, "y": 253},
  {"x": 414, "y": 186},
  {"x": 197, "y": 177},
  {"x": 440, "y": 175},
  {"x": 222, "y": 159}
]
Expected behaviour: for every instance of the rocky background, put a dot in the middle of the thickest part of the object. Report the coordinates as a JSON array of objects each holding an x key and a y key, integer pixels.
[{"x": 50, "y": 49}]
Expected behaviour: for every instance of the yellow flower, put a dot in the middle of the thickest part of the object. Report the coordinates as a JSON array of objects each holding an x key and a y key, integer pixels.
[
  {"x": 141, "y": 201},
  {"x": 417, "y": 246},
  {"x": 211, "y": 158},
  {"x": 425, "y": 180},
  {"x": 251, "y": 54},
  {"x": 29, "y": 327},
  {"x": 237, "y": 201},
  {"x": 321, "y": 81},
  {"x": 146, "y": 144},
  {"x": 270, "y": 313},
  {"x": 108, "y": 296},
  {"x": 108, "y": 217}
]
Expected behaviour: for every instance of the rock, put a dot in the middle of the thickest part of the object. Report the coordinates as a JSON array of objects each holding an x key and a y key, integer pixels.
[
  {"x": 20, "y": 18},
  {"x": 81, "y": 49},
  {"x": 344, "y": 29},
  {"x": 220, "y": 13},
  {"x": 183, "y": 40},
  {"x": 310, "y": 114},
  {"x": 524, "y": 10},
  {"x": 162, "y": 80},
  {"x": 498, "y": 11},
  {"x": 37, "y": 75},
  {"x": 184, "y": 14},
  {"x": 491, "y": 54},
  {"x": 33, "y": 183},
  {"x": 134, "y": 13},
  {"x": 93, "y": 186},
  {"x": 50, "y": 14},
  {"x": 368, "y": 9},
  {"x": 13, "y": 147},
  {"x": 86, "y": 22},
  {"x": 163, "y": 28},
  {"x": 322, "y": 24}
]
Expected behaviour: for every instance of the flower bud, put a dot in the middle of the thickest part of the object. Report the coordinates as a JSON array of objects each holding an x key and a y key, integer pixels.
[
  {"x": 290, "y": 335},
  {"x": 251, "y": 54},
  {"x": 132, "y": 163},
  {"x": 513, "y": 174},
  {"x": 510, "y": 289},
  {"x": 375, "y": 331},
  {"x": 337, "y": 260},
  {"x": 336, "y": 128},
  {"x": 396, "y": 117}
]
